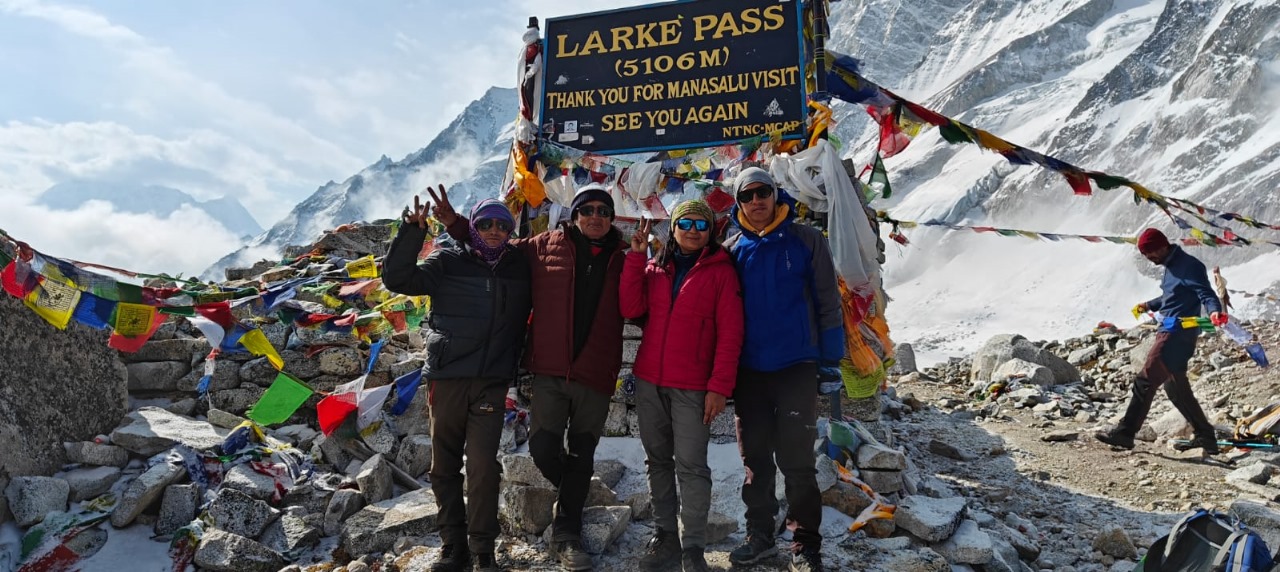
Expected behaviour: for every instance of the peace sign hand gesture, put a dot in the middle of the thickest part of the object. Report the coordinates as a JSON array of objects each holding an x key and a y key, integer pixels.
[
  {"x": 640, "y": 240},
  {"x": 443, "y": 211},
  {"x": 417, "y": 215}
]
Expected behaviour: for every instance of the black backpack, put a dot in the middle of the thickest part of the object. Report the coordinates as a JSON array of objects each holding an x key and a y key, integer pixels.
[{"x": 1206, "y": 541}]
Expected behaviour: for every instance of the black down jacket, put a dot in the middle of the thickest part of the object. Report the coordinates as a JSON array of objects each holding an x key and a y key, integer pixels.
[{"x": 476, "y": 326}]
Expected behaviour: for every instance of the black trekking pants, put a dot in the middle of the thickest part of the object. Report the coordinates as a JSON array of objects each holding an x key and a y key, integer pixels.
[
  {"x": 466, "y": 419},
  {"x": 777, "y": 426},
  {"x": 561, "y": 407},
  {"x": 1167, "y": 365}
]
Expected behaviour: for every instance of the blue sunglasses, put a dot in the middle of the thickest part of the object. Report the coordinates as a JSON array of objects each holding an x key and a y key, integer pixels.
[{"x": 690, "y": 224}]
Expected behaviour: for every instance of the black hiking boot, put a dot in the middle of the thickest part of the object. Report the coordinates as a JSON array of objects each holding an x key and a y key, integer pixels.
[
  {"x": 692, "y": 559},
  {"x": 806, "y": 559},
  {"x": 453, "y": 558},
  {"x": 1115, "y": 439},
  {"x": 1209, "y": 445},
  {"x": 661, "y": 553},
  {"x": 755, "y": 547},
  {"x": 571, "y": 554},
  {"x": 485, "y": 562}
]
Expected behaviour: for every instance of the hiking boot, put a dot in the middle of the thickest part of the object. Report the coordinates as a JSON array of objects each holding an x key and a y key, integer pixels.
[
  {"x": 662, "y": 552},
  {"x": 1208, "y": 444},
  {"x": 485, "y": 562},
  {"x": 693, "y": 560},
  {"x": 453, "y": 558},
  {"x": 1116, "y": 439},
  {"x": 755, "y": 547},
  {"x": 571, "y": 554},
  {"x": 806, "y": 559}
]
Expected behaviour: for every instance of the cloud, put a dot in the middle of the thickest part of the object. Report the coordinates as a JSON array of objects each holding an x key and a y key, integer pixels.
[{"x": 185, "y": 242}]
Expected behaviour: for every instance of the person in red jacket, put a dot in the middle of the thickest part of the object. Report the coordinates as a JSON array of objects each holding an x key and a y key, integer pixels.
[
  {"x": 574, "y": 349},
  {"x": 686, "y": 366}
]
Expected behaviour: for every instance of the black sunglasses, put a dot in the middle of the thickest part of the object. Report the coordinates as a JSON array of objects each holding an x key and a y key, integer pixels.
[
  {"x": 761, "y": 192},
  {"x": 486, "y": 224},
  {"x": 687, "y": 224},
  {"x": 602, "y": 211}
]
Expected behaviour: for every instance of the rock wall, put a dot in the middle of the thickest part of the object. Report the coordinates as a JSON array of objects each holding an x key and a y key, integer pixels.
[{"x": 54, "y": 387}]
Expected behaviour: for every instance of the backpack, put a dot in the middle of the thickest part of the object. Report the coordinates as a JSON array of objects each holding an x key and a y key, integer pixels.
[{"x": 1206, "y": 541}]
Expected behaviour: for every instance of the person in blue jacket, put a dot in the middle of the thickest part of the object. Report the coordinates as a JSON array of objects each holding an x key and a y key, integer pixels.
[
  {"x": 1185, "y": 288},
  {"x": 794, "y": 339}
]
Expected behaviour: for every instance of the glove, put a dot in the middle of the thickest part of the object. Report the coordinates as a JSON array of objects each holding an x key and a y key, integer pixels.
[
  {"x": 1218, "y": 319},
  {"x": 829, "y": 379}
]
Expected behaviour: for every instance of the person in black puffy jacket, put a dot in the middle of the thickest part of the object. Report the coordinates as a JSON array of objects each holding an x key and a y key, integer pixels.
[{"x": 475, "y": 332}]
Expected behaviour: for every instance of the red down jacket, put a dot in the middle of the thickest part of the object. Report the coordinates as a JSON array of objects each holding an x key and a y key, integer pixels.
[{"x": 693, "y": 343}]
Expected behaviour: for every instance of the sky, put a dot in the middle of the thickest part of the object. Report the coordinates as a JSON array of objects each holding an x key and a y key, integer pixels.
[{"x": 263, "y": 101}]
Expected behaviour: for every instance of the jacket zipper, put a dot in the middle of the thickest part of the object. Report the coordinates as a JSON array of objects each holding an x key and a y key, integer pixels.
[
  {"x": 666, "y": 328},
  {"x": 573, "y": 281}
]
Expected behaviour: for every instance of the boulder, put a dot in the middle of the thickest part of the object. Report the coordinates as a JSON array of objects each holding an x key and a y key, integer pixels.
[
  {"x": 599, "y": 494},
  {"x": 31, "y": 498},
  {"x": 615, "y": 425},
  {"x": 1115, "y": 542},
  {"x": 226, "y": 375},
  {"x": 414, "y": 456},
  {"x": 237, "y": 400},
  {"x": 238, "y": 513},
  {"x": 376, "y": 527},
  {"x": 243, "y": 478},
  {"x": 930, "y": 519},
  {"x": 904, "y": 359},
  {"x": 719, "y": 527},
  {"x": 1171, "y": 425},
  {"x": 223, "y": 551},
  {"x": 223, "y": 419},
  {"x": 1026, "y": 371},
  {"x": 1084, "y": 355},
  {"x": 177, "y": 509},
  {"x": 610, "y": 471},
  {"x": 173, "y": 349},
  {"x": 259, "y": 372},
  {"x": 527, "y": 509},
  {"x": 157, "y": 375},
  {"x": 343, "y": 504},
  {"x": 346, "y": 362},
  {"x": 290, "y": 533},
  {"x": 969, "y": 545},
  {"x": 152, "y": 430},
  {"x": 90, "y": 453},
  {"x": 374, "y": 479},
  {"x": 877, "y": 456},
  {"x": 41, "y": 407},
  {"x": 144, "y": 491},
  {"x": 846, "y": 498},
  {"x": 602, "y": 525},
  {"x": 90, "y": 482},
  {"x": 1002, "y": 348},
  {"x": 519, "y": 468}
]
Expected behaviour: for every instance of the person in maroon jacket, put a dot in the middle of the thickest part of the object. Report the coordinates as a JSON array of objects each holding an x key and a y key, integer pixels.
[
  {"x": 686, "y": 367},
  {"x": 574, "y": 349}
]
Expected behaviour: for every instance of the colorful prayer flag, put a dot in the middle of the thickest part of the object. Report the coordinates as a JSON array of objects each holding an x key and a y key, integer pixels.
[
  {"x": 880, "y": 178},
  {"x": 256, "y": 342},
  {"x": 133, "y": 319},
  {"x": 362, "y": 268},
  {"x": 285, "y": 396},
  {"x": 130, "y": 344},
  {"x": 54, "y": 301},
  {"x": 94, "y": 312},
  {"x": 406, "y": 388}
]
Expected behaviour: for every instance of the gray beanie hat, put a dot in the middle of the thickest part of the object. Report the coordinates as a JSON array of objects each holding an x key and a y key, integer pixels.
[{"x": 753, "y": 175}]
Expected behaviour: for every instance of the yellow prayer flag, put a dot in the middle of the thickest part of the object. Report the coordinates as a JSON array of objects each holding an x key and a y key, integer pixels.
[
  {"x": 134, "y": 319},
  {"x": 703, "y": 164},
  {"x": 989, "y": 141},
  {"x": 53, "y": 301},
  {"x": 363, "y": 268},
  {"x": 256, "y": 342},
  {"x": 331, "y": 301}
]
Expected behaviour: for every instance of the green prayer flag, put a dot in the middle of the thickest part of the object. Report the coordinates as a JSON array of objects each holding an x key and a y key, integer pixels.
[
  {"x": 880, "y": 178},
  {"x": 5, "y": 259},
  {"x": 285, "y": 396}
]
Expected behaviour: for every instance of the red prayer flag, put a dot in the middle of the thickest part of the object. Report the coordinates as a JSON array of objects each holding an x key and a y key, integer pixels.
[
  {"x": 1079, "y": 183},
  {"x": 218, "y": 313},
  {"x": 130, "y": 344}
]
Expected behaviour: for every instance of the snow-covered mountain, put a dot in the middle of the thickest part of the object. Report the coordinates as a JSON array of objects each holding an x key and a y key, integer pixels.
[
  {"x": 1180, "y": 96},
  {"x": 469, "y": 157},
  {"x": 157, "y": 200}
]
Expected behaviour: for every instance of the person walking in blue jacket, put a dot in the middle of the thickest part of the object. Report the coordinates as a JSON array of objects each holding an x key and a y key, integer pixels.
[
  {"x": 794, "y": 338},
  {"x": 1185, "y": 288}
]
